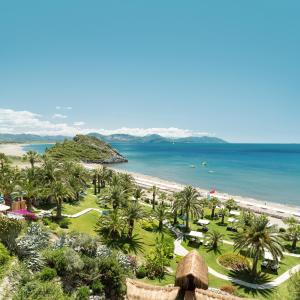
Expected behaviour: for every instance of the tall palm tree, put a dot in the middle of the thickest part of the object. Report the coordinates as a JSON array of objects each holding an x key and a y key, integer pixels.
[
  {"x": 133, "y": 212},
  {"x": 223, "y": 214},
  {"x": 293, "y": 231},
  {"x": 189, "y": 203},
  {"x": 175, "y": 205},
  {"x": 213, "y": 203},
  {"x": 77, "y": 176},
  {"x": 95, "y": 175},
  {"x": 161, "y": 213},
  {"x": 258, "y": 238},
  {"x": 204, "y": 203},
  {"x": 59, "y": 191},
  {"x": 116, "y": 195},
  {"x": 32, "y": 157},
  {"x": 154, "y": 190},
  {"x": 30, "y": 187}
]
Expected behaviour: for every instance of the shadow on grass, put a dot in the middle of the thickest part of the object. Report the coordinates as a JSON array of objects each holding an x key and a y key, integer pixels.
[
  {"x": 216, "y": 251},
  {"x": 261, "y": 278},
  {"x": 291, "y": 250},
  {"x": 222, "y": 224}
]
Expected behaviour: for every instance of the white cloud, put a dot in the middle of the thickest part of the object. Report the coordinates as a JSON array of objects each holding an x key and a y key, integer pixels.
[
  {"x": 63, "y": 107},
  {"x": 12, "y": 121},
  {"x": 59, "y": 116},
  {"x": 79, "y": 123}
]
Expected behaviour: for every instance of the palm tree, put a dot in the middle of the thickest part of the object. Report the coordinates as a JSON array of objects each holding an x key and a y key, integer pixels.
[
  {"x": 163, "y": 196},
  {"x": 116, "y": 195},
  {"x": 175, "y": 205},
  {"x": 161, "y": 213},
  {"x": 223, "y": 214},
  {"x": 258, "y": 238},
  {"x": 77, "y": 176},
  {"x": 111, "y": 227},
  {"x": 32, "y": 157},
  {"x": 246, "y": 218},
  {"x": 59, "y": 191},
  {"x": 230, "y": 204},
  {"x": 154, "y": 190},
  {"x": 29, "y": 187},
  {"x": 138, "y": 193},
  {"x": 204, "y": 203},
  {"x": 4, "y": 161},
  {"x": 293, "y": 231},
  {"x": 213, "y": 203},
  {"x": 189, "y": 203},
  {"x": 133, "y": 212},
  {"x": 214, "y": 239},
  {"x": 95, "y": 175}
]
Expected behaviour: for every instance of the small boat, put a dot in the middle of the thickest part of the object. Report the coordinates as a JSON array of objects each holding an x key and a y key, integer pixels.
[
  {"x": 204, "y": 163},
  {"x": 192, "y": 166},
  {"x": 211, "y": 171}
]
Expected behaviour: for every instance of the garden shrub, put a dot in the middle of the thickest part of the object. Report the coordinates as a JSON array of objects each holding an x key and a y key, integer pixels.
[
  {"x": 64, "y": 223},
  {"x": 46, "y": 221},
  {"x": 48, "y": 274},
  {"x": 97, "y": 287},
  {"x": 83, "y": 293},
  {"x": 9, "y": 231},
  {"x": 64, "y": 260},
  {"x": 148, "y": 226},
  {"x": 35, "y": 290},
  {"x": 141, "y": 272},
  {"x": 4, "y": 255},
  {"x": 234, "y": 261},
  {"x": 230, "y": 289}
]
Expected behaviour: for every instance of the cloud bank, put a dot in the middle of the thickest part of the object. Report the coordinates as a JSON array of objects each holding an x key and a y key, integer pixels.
[{"x": 12, "y": 121}]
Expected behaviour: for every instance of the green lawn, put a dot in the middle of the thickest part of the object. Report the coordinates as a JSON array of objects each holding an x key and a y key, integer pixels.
[
  {"x": 90, "y": 200},
  {"x": 86, "y": 223}
]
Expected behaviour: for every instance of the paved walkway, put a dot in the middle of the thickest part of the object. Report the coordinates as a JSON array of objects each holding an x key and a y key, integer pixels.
[
  {"x": 180, "y": 250},
  {"x": 80, "y": 213}
]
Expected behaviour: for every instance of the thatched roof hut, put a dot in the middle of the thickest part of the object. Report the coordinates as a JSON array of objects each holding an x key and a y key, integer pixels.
[
  {"x": 199, "y": 294},
  {"x": 137, "y": 290},
  {"x": 192, "y": 272}
]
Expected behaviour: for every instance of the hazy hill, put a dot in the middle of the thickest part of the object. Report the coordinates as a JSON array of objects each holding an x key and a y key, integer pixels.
[{"x": 152, "y": 138}]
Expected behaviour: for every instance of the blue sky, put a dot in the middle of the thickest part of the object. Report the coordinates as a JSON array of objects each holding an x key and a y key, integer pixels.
[{"x": 227, "y": 68}]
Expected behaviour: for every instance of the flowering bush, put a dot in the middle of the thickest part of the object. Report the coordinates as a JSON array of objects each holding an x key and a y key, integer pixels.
[{"x": 234, "y": 261}]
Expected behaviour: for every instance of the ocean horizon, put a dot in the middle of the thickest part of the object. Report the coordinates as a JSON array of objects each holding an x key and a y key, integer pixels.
[{"x": 267, "y": 172}]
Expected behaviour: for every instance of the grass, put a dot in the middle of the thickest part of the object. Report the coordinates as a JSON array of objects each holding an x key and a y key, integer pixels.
[
  {"x": 90, "y": 200},
  {"x": 85, "y": 223}
]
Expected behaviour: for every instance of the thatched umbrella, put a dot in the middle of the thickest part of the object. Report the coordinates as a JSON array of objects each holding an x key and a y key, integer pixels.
[
  {"x": 137, "y": 290},
  {"x": 192, "y": 272}
]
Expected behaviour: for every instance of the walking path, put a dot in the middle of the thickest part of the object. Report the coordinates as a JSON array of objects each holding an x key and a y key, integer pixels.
[{"x": 182, "y": 251}]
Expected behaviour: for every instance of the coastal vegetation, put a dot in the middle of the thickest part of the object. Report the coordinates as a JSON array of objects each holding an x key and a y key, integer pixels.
[
  {"x": 63, "y": 254},
  {"x": 86, "y": 149}
]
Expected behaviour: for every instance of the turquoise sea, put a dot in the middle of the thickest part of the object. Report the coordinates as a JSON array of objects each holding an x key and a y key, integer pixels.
[{"x": 268, "y": 172}]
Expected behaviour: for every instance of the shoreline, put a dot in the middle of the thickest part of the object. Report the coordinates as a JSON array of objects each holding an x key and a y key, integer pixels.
[
  {"x": 12, "y": 149},
  {"x": 272, "y": 209}
]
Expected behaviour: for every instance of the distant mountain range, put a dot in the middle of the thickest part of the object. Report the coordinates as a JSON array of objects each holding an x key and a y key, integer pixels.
[{"x": 117, "y": 138}]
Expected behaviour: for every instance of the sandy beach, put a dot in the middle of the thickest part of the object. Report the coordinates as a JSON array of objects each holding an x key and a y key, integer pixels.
[{"x": 12, "y": 149}]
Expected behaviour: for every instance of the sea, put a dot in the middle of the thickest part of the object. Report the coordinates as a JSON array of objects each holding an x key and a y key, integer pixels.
[{"x": 267, "y": 172}]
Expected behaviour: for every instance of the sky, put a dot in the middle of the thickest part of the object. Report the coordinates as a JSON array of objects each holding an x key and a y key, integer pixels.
[{"x": 229, "y": 69}]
